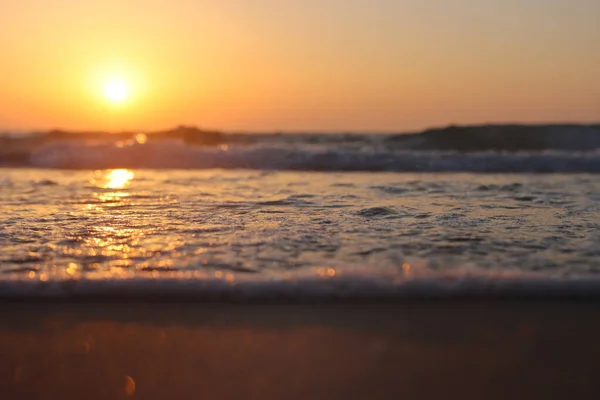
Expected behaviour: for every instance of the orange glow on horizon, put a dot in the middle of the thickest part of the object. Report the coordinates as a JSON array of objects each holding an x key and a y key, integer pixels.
[{"x": 296, "y": 66}]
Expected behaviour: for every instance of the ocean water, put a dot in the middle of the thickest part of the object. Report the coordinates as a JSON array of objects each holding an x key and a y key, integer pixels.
[
  {"x": 257, "y": 234},
  {"x": 336, "y": 219}
]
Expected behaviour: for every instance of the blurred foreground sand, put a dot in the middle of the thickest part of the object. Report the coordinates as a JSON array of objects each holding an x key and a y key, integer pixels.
[{"x": 199, "y": 351}]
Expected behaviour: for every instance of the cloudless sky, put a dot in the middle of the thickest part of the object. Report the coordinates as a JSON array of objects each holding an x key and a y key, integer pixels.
[{"x": 264, "y": 65}]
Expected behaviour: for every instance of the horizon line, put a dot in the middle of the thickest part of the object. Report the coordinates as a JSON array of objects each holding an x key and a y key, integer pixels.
[{"x": 4, "y": 131}]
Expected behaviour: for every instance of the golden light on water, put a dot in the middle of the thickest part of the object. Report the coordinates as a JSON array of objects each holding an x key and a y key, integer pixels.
[
  {"x": 141, "y": 138},
  {"x": 71, "y": 268},
  {"x": 118, "y": 178}
]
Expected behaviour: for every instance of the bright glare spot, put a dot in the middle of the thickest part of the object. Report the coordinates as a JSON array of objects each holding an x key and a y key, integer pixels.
[
  {"x": 141, "y": 138},
  {"x": 72, "y": 268},
  {"x": 118, "y": 178},
  {"x": 129, "y": 386},
  {"x": 116, "y": 91}
]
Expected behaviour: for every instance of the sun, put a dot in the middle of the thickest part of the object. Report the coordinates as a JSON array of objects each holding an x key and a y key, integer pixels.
[{"x": 116, "y": 91}]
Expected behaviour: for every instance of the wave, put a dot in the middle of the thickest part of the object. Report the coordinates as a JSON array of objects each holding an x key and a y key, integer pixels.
[
  {"x": 176, "y": 154},
  {"x": 323, "y": 285},
  {"x": 486, "y": 148}
]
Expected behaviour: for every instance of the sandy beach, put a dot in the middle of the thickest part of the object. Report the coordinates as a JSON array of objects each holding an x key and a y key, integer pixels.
[{"x": 493, "y": 350}]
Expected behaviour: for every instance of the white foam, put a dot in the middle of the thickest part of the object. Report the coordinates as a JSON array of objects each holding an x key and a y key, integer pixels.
[
  {"x": 322, "y": 285},
  {"x": 175, "y": 154}
]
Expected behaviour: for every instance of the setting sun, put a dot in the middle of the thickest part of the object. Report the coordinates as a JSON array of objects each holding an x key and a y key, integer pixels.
[{"x": 116, "y": 91}]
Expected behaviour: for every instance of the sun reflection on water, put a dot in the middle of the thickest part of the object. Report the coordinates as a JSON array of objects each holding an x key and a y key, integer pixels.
[{"x": 118, "y": 179}]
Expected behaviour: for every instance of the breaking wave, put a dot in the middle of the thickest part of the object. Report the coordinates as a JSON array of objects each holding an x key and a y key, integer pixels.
[
  {"x": 486, "y": 148},
  {"x": 176, "y": 154}
]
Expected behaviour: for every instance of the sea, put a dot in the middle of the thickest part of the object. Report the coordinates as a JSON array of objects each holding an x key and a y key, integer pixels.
[{"x": 486, "y": 212}]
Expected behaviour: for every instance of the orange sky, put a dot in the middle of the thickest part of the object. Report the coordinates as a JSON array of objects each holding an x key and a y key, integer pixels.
[{"x": 264, "y": 65}]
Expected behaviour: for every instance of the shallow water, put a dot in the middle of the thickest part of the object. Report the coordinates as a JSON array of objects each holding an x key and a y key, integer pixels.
[{"x": 227, "y": 227}]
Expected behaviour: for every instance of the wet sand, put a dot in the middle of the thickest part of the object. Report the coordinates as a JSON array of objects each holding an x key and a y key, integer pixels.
[{"x": 428, "y": 350}]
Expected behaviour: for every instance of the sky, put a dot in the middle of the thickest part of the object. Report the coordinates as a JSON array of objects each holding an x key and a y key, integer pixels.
[{"x": 311, "y": 65}]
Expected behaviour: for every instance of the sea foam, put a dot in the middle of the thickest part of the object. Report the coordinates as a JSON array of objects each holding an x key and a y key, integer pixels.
[
  {"x": 315, "y": 285},
  {"x": 176, "y": 154}
]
